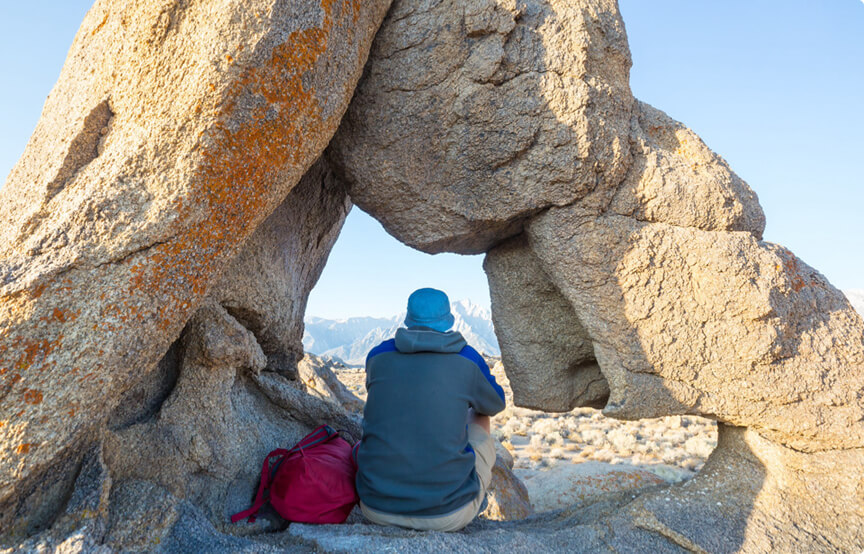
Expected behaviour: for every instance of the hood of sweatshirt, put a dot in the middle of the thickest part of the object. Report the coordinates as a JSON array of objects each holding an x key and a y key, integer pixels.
[{"x": 424, "y": 339}]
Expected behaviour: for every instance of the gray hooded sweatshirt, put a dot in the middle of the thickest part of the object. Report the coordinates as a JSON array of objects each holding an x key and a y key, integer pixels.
[{"x": 414, "y": 457}]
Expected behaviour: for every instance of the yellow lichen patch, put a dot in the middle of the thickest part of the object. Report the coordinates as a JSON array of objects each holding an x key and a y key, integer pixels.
[
  {"x": 22, "y": 351},
  {"x": 25, "y": 448},
  {"x": 10, "y": 379},
  {"x": 87, "y": 377},
  {"x": 18, "y": 306},
  {"x": 122, "y": 312}
]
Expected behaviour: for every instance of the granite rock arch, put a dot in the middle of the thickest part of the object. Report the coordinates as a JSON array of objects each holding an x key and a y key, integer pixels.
[{"x": 503, "y": 126}]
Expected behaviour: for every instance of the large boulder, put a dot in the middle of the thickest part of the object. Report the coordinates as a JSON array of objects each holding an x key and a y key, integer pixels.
[
  {"x": 483, "y": 112},
  {"x": 507, "y": 497},
  {"x": 547, "y": 352},
  {"x": 675, "y": 178},
  {"x": 318, "y": 375},
  {"x": 174, "y": 130},
  {"x": 754, "y": 495},
  {"x": 688, "y": 311},
  {"x": 686, "y": 321}
]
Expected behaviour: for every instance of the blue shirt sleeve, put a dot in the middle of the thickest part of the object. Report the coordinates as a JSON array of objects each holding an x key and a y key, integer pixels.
[{"x": 488, "y": 399}]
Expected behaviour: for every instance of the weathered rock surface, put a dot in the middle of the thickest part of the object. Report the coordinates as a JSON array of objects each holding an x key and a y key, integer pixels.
[
  {"x": 565, "y": 485},
  {"x": 267, "y": 284},
  {"x": 229, "y": 406},
  {"x": 82, "y": 524},
  {"x": 675, "y": 178},
  {"x": 483, "y": 112},
  {"x": 548, "y": 354},
  {"x": 507, "y": 496},
  {"x": 317, "y": 374},
  {"x": 573, "y": 530},
  {"x": 189, "y": 437},
  {"x": 773, "y": 499},
  {"x": 147, "y": 518},
  {"x": 214, "y": 424},
  {"x": 201, "y": 389},
  {"x": 173, "y": 131},
  {"x": 686, "y": 321}
]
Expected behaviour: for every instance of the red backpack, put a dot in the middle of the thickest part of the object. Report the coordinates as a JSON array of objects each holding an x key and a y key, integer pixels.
[{"x": 313, "y": 483}]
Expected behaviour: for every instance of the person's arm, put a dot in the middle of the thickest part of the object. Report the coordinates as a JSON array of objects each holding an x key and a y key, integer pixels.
[{"x": 487, "y": 396}]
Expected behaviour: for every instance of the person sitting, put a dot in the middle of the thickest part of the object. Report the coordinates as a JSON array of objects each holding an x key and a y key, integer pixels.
[{"x": 425, "y": 459}]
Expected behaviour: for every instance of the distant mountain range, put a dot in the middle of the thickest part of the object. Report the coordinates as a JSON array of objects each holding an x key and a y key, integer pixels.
[{"x": 350, "y": 340}]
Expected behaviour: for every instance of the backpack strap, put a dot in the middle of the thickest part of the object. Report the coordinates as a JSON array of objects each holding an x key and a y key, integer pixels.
[
  {"x": 320, "y": 434},
  {"x": 262, "y": 487}
]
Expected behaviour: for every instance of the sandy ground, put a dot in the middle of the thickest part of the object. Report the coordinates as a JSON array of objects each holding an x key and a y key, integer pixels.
[{"x": 548, "y": 448}]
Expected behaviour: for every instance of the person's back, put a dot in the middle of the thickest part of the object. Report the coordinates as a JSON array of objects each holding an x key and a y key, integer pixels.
[{"x": 422, "y": 464}]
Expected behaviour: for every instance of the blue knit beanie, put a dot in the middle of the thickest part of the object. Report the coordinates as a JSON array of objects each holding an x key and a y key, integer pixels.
[{"x": 429, "y": 308}]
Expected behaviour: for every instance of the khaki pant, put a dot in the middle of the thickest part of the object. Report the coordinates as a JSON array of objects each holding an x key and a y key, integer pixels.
[{"x": 484, "y": 459}]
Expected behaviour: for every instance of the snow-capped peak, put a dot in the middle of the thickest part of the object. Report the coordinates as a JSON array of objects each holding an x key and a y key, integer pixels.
[{"x": 350, "y": 339}]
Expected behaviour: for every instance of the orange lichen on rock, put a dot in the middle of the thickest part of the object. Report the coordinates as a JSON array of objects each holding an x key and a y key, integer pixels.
[
  {"x": 11, "y": 379},
  {"x": 30, "y": 351},
  {"x": 793, "y": 271},
  {"x": 32, "y": 396},
  {"x": 61, "y": 315},
  {"x": 238, "y": 168}
]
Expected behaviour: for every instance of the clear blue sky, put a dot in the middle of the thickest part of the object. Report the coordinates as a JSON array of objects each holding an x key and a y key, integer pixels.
[{"x": 774, "y": 86}]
